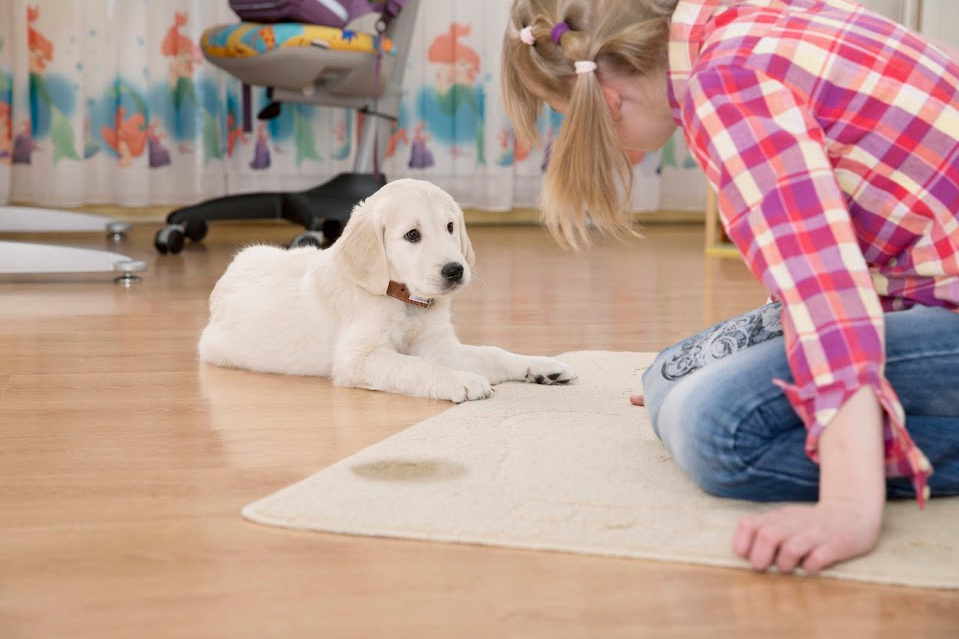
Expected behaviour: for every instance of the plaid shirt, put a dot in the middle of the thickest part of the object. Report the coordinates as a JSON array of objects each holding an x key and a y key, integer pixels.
[{"x": 831, "y": 135}]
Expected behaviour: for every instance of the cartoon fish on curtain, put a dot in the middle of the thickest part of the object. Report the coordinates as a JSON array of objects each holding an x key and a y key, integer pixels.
[{"x": 128, "y": 135}]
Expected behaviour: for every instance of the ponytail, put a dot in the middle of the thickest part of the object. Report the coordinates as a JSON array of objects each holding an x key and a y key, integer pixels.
[{"x": 589, "y": 175}]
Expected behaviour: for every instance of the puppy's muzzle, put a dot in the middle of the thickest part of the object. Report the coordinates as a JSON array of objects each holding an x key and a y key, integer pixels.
[{"x": 452, "y": 273}]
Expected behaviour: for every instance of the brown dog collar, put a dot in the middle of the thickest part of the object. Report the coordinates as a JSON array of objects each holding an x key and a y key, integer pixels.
[{"x": 401, "y": 292}]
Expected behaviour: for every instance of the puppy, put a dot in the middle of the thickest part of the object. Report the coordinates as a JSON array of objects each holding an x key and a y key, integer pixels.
[{"x": 372, "y": 311}]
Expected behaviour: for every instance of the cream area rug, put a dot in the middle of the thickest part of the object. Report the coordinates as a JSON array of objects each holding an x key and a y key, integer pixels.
[{"x": 571, "y": 468}]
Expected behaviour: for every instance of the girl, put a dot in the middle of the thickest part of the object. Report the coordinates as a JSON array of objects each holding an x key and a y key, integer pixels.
[{"x": 830, "y": 135}]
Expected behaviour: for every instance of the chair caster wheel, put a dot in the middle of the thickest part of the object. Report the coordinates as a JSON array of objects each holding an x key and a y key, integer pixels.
[
  {"x": 169, "y": 239},
  {"x": 309, "y": 238},
  {"x": 332, "y": 230},
  {"x": 196, "y": 230}
]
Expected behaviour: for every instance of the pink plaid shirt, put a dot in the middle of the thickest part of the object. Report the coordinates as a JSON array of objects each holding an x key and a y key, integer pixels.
[{"x": 831, "y": 135}]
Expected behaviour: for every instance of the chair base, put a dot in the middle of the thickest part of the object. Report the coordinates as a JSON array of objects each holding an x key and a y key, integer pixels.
[{"x": 321, "y": 210}]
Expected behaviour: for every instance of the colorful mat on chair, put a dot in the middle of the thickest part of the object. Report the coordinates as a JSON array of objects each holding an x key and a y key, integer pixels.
[{"x": 250, "y": 39}]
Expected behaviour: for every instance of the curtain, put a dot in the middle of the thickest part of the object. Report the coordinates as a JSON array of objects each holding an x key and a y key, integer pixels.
[{"x": 111, "y": 102}]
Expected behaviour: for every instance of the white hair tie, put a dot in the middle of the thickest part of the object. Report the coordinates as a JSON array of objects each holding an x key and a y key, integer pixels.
[
  {"x": 526, "y": 35},
  {"x": 585, "y": 66}
]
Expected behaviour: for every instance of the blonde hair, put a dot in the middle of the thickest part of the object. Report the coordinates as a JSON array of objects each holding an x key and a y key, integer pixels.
[{"x": 589, "y": 175}]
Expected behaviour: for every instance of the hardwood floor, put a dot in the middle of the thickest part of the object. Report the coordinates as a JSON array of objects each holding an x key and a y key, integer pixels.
[{"x": 124, "y": 464}]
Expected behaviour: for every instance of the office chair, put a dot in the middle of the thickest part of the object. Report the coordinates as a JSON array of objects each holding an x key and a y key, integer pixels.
[{"x": 318, "y": 65}]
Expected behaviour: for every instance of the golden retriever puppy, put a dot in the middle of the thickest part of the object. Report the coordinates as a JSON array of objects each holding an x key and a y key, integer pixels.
[{"x": 372, "y": 311}]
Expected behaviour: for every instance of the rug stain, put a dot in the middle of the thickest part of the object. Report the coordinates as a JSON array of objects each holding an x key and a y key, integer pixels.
[{"x": 410, "y": 470}]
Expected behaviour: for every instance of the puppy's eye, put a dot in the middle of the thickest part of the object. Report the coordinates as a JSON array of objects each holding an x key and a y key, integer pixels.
[
  {"x": 449, "y": 227},
  {"x": 412, "y": 236}
]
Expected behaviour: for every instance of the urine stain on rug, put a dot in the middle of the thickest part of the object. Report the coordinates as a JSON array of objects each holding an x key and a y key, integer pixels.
[{"x": 411, "y": 470}]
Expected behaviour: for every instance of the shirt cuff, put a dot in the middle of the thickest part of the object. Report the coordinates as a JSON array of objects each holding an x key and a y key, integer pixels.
[{"x": 817, "y": 406}]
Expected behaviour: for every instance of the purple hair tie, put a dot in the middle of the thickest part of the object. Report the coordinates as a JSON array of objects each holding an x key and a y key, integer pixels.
[{"x": 556, "y": 33}]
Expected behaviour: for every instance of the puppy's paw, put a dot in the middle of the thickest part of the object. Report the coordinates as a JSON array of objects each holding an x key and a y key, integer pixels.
[
  {"x": 466, "y": 387},
  {"x": 546, "y": 370}
]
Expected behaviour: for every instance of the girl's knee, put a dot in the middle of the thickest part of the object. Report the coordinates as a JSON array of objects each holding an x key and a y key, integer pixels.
[
  {"x": 734, "y": 443},
  {"x": 718, "y": 420},
  {"x": 699, "y": 436}
]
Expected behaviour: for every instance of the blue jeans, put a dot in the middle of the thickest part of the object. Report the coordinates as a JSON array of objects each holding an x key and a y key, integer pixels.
[{"x": 715, "y": 408}]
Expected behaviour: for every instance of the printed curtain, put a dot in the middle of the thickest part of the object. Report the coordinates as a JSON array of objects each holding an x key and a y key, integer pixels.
[{"x": 111, "y": 102}]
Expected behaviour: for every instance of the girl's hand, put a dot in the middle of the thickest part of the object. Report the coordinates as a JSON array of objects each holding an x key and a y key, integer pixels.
[
  {"x": 852, "y": 494},
  {"x": 637, "y": 400},
  {"x": 810, "y": 537}
]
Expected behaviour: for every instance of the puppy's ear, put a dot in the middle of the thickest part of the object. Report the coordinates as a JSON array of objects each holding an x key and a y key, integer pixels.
[
  {"x": 360, "y": 252},
  {"x": 466, "y": 247}
]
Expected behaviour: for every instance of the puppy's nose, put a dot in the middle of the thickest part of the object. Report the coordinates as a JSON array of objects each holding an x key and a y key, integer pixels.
[{"x": 453, "y": 271}]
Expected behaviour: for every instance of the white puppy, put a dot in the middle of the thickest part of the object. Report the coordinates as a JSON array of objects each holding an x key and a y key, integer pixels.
[{"x": 329, "y": 313}]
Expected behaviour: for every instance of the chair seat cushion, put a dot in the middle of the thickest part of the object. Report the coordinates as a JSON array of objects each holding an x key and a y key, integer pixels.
[{"x": 252, "y": 39}]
